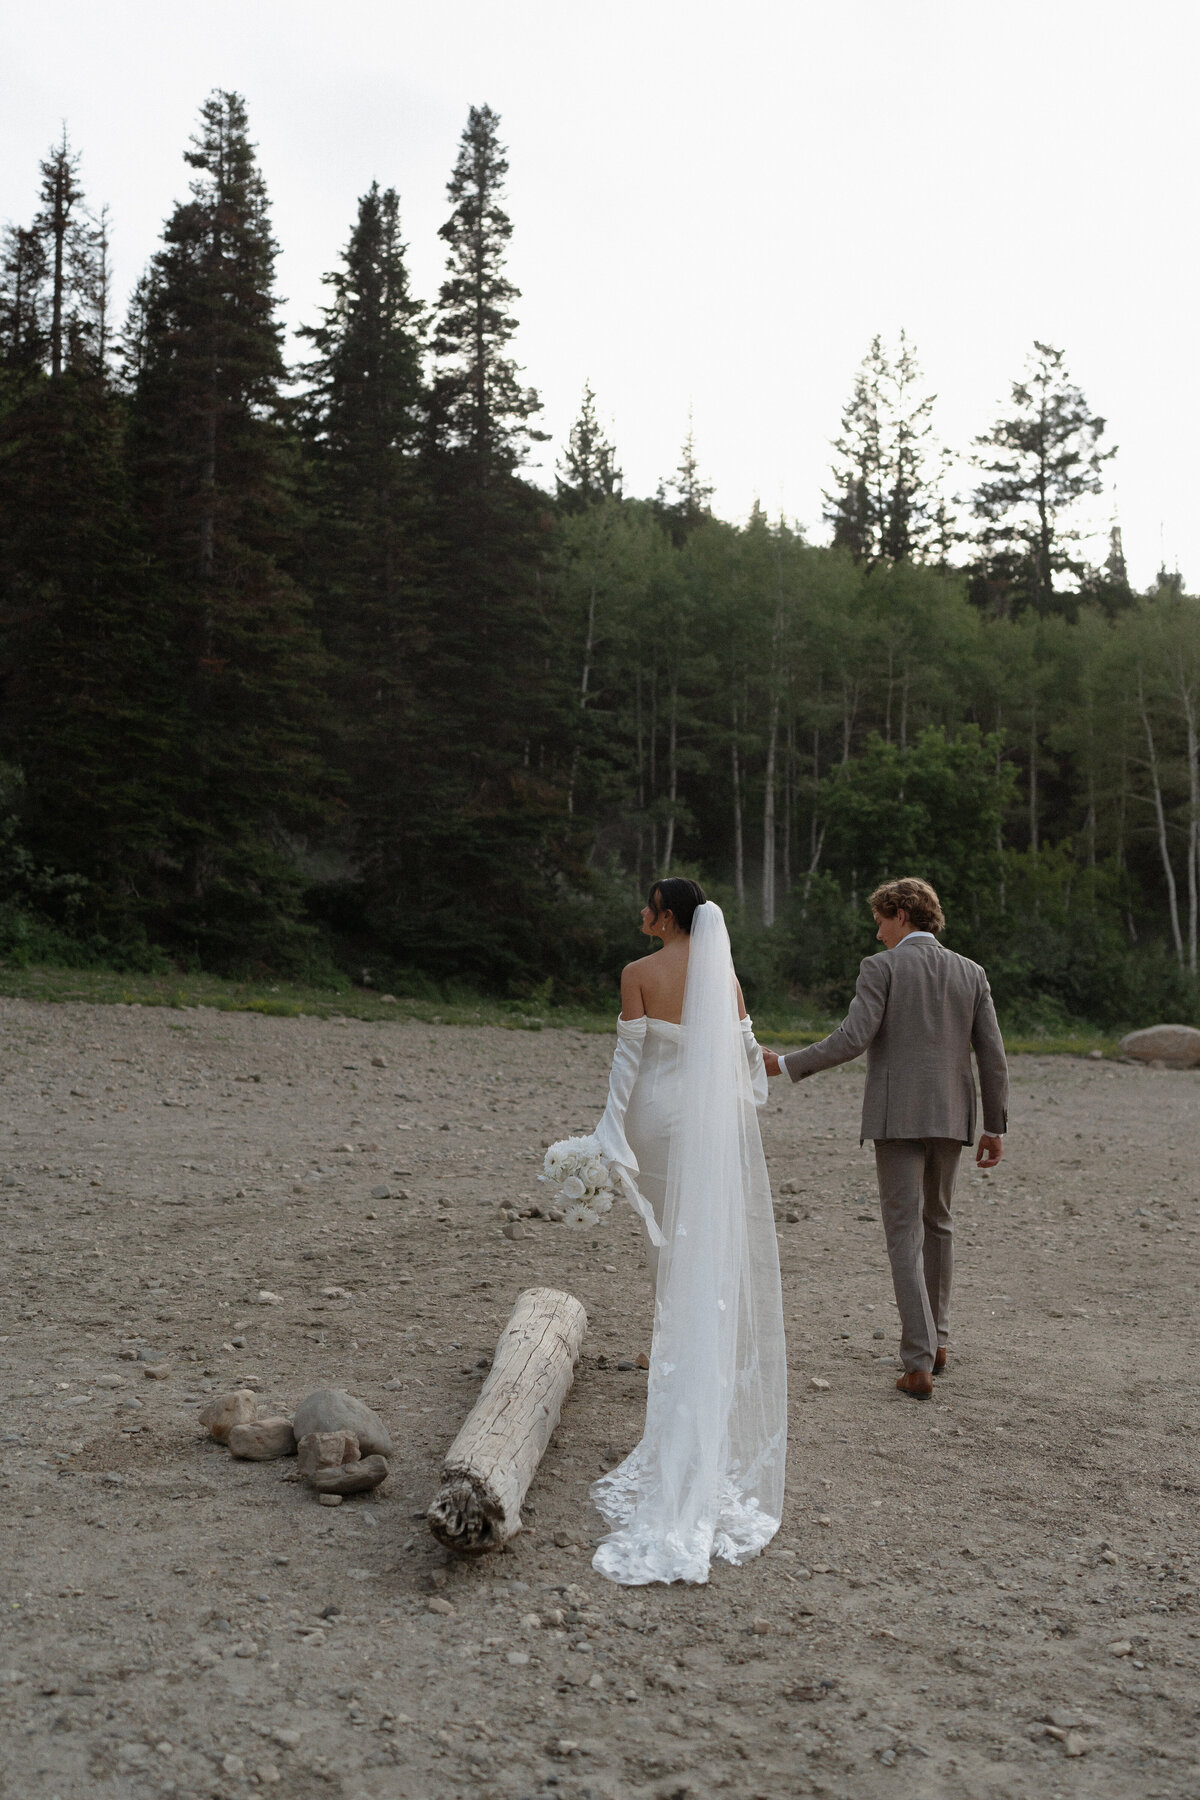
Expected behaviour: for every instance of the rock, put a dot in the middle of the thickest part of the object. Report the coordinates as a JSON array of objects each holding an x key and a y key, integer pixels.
[
  {"x": 877, "y": 1334},
  {"x": 381, "y": 1192},
  {"x": 267, "y": 1774},
  {"x": 156, "y": 1371},
  {"x": 287, "y": 1740},
  {"x": 266, "y": 1298},
  {"x": 379, "y": 1062},
  {"x": 516, "y": 1659},
  {"x": 819, "y": 1383},
  {"x": 1095, "y": 1056},
  {"x": 109, "y": 1381},
  {"x": 232, "y": 1765},
  {"x": 513, "y": 1230},
  {"x": 760, "y": 1627},
  {"x": 227, "y": 1410},
  {"x": 435, "y": 1604},
  {"x": 148, "y": 1356},
  {"x": 326, "y": 1450},
  {"x": 330, "y": 1409},
  {"x": 329, "y": 1499},
  {"x": 641, "y": 1360},
  {"x": 351, "y": 1478},
  {"x": 1074, "y": 1744},
  {"x": 263, "y": 1440},
  {"x": 1122, "y": 1647},
  {"x": 1176, "y": 1046}
]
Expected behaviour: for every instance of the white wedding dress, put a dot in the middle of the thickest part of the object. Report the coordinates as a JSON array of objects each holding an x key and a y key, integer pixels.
[{"x": 680, "y": 1133}]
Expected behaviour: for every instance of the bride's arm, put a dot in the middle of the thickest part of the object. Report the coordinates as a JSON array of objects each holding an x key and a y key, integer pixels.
[{"x": 754, "y": 1057}]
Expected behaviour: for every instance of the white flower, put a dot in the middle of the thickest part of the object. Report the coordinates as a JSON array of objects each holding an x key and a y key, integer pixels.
[
  {"x": 596, "y": 1174},
  {"x": 601, "y": 1203},
  {"x": 579, "y": 1214},
  {"x": 572, "y": 1189}
]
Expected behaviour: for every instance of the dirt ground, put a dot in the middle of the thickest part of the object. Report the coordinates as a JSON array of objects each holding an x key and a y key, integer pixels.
[{"x": 991, "y": 1594}]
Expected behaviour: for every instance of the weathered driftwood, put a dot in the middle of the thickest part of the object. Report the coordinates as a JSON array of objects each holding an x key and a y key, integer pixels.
[{"x": 491, "y": 1462}]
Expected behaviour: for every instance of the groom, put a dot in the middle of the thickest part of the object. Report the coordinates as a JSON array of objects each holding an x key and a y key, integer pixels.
[{"x": 918, "y": 1012}]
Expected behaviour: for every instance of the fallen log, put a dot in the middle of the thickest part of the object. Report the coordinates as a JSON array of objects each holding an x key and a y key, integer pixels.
[{"x": 490, "y": 1464}]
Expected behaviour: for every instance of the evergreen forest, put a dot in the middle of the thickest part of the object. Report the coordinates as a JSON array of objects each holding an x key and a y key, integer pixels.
[{"x": 303, "y": 675}]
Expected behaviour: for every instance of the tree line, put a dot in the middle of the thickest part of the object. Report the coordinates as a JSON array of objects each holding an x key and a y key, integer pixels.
[{"x": 300, "y": 669}]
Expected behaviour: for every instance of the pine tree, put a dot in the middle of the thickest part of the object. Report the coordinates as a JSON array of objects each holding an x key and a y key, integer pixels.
[
  {"x": 211, "y": 463},
  {"x": 692, "y": 502},
  {"x": 366, "y": 551},
  {"x": 488, "y": 815},
  {"x": 23, "y": 335},
  {"x": 885, "y": 504},
  {"x": 588, "y": 470},
  {"x": 483, "y": 410},
  {"x": 1037, "y": 464}
]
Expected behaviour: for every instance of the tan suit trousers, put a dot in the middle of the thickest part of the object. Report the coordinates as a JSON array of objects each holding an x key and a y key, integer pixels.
[{"x": 916, "y": 1186}]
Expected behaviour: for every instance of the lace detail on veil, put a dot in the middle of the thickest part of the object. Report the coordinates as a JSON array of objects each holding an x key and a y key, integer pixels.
[{"x": 707, "y": 1477}]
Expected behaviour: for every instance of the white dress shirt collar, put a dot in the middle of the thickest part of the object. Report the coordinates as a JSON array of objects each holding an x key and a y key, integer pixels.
[{"x": 909, "y": 936}]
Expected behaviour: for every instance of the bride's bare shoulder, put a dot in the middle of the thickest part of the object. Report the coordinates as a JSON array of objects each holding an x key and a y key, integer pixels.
[{"x": 633, "y": 975}]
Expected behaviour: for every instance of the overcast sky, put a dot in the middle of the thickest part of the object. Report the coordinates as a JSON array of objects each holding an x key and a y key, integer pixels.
[{"x": 715, "y": 205}]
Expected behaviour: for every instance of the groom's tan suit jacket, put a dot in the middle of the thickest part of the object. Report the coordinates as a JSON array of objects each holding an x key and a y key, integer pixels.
[{"x": 918, "y": 1012}]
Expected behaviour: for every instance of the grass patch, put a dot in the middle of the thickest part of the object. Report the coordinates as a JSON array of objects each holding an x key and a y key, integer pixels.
[{"x": 779, "y": 1027}]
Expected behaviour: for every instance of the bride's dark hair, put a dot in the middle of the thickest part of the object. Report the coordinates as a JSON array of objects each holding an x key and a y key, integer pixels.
[{"x": 675, "y": 894}]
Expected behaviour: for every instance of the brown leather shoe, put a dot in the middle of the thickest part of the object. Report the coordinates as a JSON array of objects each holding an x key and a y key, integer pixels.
[
  {"x": 917, "y": 1384},
  {"x": 939, "y": 1361}
]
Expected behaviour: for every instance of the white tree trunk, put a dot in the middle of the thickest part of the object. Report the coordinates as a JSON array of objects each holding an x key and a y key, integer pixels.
[
  {"x": 1161, "y": 821},
  {"x": 490, "y": 1464}
]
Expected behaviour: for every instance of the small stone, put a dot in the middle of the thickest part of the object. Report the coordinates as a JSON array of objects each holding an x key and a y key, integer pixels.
[
  {"x": 266, "y": 1298},
  {"x": 156, "y": 1371},
  {"x": 1108, "y": 1556},
  {"x": 877, "y": 1335},
  {"x": 760, "y": 1627},
  {"x": 819, "y": 1383},
  {"x": 1095, "y": 1056},
  {"x": 887, "y": 1758},
  {"x": 287, "y": 1740},
  {"x": 824, "y": 1519},
  {"x": 513, "y": 1230},
  {"x": 641, "y": 1360},
  {"x": 326, "y": 1450},
  {"x": 351, "y": 1478},
  {"x": 330, "y": 1409},
  {"x": 379, "y": 1062},
  {"x": 263, "y": 1440},
  {"x": 1074, "y": 1744},
  {"x": 227, "y": 1410},
  {"x": 626, "y": 1366},
  {"x": 1122, "y": 1647},
  {"x": 267, "y": 1774},
  {"x": 109, "y": 1381},
  {"x": 329, "y": 1499},
  {"x": 381, "y": 1192},
  {"x": 232, "y": 1765},
  {"x": 435, "y": 1604},
  {"x": 517, "y": 1659},
  {"x": 336, "y": 1293},
  {"x": 531, "y": 1621}
]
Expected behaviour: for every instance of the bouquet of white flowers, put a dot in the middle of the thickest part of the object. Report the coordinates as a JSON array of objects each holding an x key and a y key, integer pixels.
[{"x": 580, "y": 1177}]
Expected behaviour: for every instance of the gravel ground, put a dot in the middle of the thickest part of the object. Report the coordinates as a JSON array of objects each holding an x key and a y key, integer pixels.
[{"x": 992, "y": 1594}]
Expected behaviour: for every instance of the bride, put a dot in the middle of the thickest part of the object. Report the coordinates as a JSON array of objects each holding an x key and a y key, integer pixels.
[{"x": 680, "y": 1134}]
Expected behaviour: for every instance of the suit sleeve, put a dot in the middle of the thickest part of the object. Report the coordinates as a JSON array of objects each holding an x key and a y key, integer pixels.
[
  {"x": 857, "y": 1028},
  {"x": 988, "y": 1046}
]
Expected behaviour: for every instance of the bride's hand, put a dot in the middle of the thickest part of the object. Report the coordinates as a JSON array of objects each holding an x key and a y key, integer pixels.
[{"x": 771, "y": 1063}]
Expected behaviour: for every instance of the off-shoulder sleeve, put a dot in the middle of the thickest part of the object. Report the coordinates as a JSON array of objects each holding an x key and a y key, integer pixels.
[
  {"x": 610, "y": 1132},
  {"x": 754, "y": 1059}
]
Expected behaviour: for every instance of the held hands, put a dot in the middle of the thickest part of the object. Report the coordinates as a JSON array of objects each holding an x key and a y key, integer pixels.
[
  {"x": 771, "y": 1063},
  {"x": 990, "y": 1150}
]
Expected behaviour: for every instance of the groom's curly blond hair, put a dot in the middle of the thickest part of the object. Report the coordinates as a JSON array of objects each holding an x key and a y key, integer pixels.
[{"x": 913, "y": 896}]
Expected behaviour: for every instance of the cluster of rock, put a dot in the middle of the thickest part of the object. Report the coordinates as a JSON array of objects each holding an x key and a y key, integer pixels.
[{"x": 342, "y": 1446}]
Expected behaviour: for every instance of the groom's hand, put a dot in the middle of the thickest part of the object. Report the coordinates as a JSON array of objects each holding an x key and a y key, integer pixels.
[
  {"x": 990, "y": 1150},
  {"x": 771, "y": 1063}
]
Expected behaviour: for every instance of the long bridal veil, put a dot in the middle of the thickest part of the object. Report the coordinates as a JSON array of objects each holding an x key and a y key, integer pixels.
[{"x": 707, "y": 1477}]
